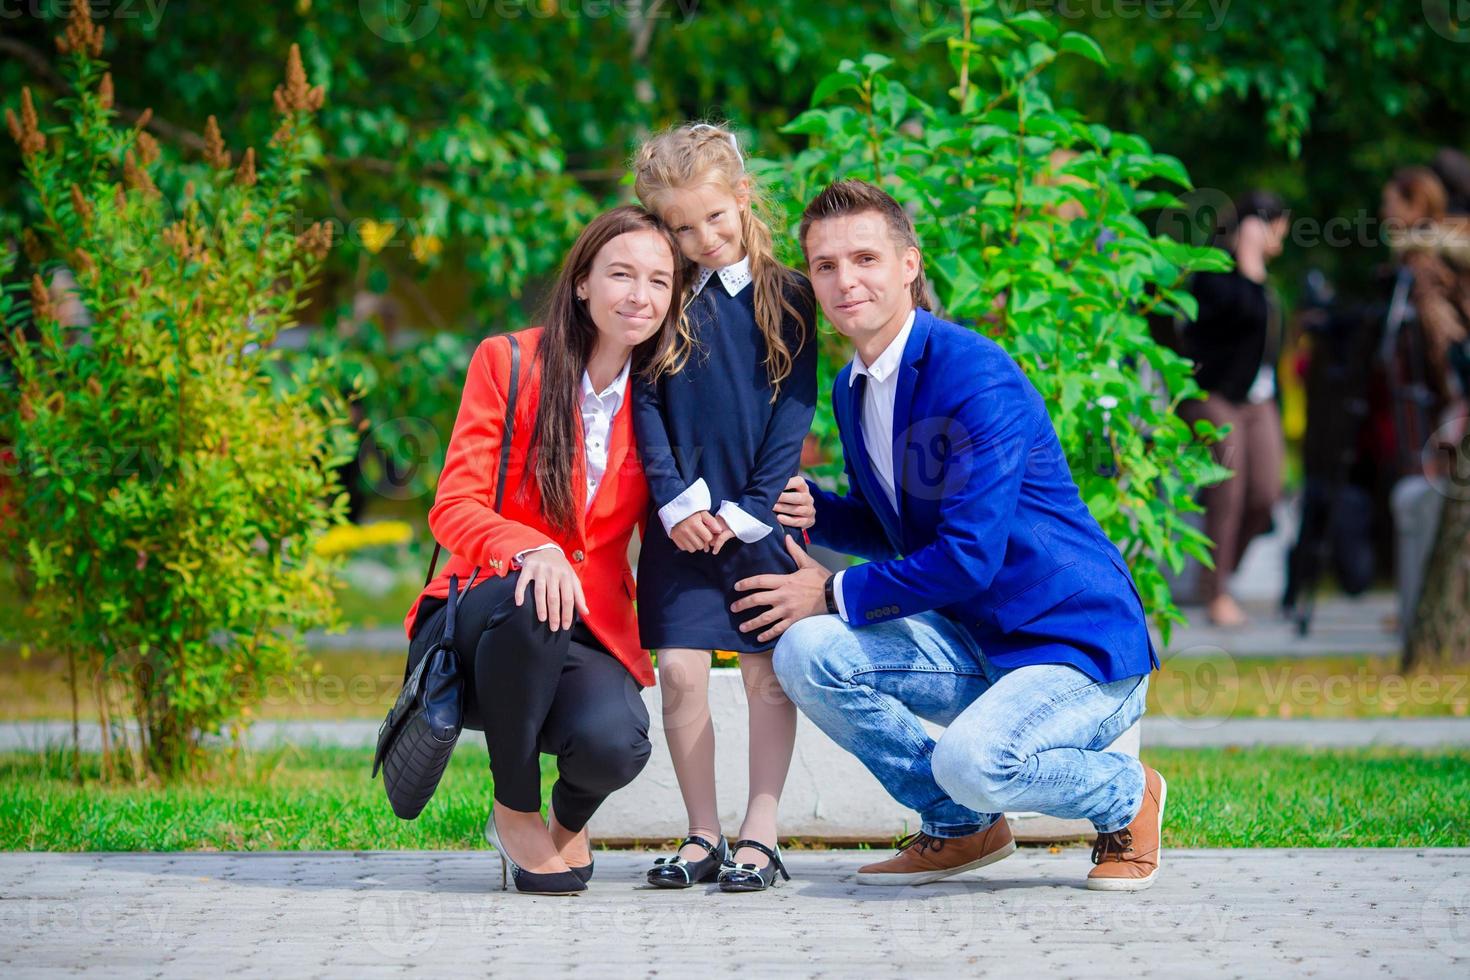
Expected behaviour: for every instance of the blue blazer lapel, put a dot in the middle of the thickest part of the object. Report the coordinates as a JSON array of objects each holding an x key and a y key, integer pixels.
[
  {"x": 862, "y": 466},
  {"x": 903, "y": 406}
]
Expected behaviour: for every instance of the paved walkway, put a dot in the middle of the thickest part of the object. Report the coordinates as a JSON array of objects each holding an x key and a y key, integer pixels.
[
  {"x": 1158, "y": 730},
  {"x": 1384, "y": 913},
  {"x": 1340, "y": 627}
]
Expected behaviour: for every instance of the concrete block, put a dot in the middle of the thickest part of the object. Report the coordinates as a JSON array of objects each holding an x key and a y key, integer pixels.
[{"x": 829, "y": 794}]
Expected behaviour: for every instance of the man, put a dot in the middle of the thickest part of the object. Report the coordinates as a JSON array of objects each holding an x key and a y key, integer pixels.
[{"x": 992, "y": 603}]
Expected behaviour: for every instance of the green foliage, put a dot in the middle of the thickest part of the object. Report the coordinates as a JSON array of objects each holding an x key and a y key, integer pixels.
[
  {"x": 406, "y": 397},
  {"x": 1028, "y": 215},
  {"x": 167, "y": 496}
]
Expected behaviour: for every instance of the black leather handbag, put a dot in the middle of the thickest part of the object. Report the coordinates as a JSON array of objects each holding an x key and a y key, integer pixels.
[
  {"x": 417, "y": 738},
  {"x": 420, "y": 731}
]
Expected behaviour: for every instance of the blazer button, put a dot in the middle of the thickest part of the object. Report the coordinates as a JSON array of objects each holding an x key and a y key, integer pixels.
[{"x": 577, "y": 556}]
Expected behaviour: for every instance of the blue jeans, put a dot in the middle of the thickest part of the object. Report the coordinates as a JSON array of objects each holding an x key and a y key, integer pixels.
[{"x": 1027, "y": 738}]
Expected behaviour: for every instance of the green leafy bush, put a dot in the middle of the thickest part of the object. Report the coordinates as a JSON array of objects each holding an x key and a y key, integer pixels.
[
  {"x": 167, "y": 498},
  {"x": 1029, "y": 220}
]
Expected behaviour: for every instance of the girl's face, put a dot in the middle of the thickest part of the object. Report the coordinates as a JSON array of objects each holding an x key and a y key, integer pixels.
[
  {"x": 630, "y": 287},
  {"x": 706, "y": 222}
]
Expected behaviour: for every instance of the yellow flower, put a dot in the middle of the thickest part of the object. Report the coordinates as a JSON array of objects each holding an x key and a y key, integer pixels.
[
  {"x": 347, "y": 538},
  {"x": 425, "y": 248},
  {"x": 375, "y": 234}
]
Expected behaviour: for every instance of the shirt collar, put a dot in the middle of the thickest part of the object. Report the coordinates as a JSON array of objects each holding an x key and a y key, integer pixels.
[
  {"x": 616, "y": 390},
  {"x": 735, "y": 277},
  {"x": 887, "y": 362}
]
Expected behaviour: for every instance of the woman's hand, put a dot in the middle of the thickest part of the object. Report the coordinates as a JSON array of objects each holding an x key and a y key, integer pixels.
[
  {"x": 695, "y": 532},
  {"x": 558, "y": 591},
  {"x": 795, "y": 507}
]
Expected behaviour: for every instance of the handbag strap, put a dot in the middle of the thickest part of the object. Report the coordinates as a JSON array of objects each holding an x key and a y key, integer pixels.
[
  {"x": 449, "y": 612},
  {"x": 507, "y": 434}
]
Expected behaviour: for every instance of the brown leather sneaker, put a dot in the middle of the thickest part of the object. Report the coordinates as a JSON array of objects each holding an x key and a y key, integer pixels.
[
  {"x": 1128, "y": 860},
  {"x": 922, "y": 859}
]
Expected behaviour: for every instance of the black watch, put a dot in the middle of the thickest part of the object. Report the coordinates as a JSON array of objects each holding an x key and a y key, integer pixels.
[{"x": 830, "y": 592}]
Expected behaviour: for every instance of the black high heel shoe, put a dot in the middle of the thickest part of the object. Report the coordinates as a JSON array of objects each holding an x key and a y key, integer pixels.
[
  {"x": 677, "y": 872},
  {"x": 582, "y": 871},
  {"x": 552, "y": 883},
  {"x": 748, "y": 877}
]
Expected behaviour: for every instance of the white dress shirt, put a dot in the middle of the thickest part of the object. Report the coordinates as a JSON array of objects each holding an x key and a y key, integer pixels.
[
  {"x": 696, "y": 496},
  {"x": 599, "y": 408},
  {"x": 879, "y": 397}
]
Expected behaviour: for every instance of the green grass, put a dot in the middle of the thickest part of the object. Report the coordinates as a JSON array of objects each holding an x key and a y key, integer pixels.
[
  {"x": 286, "y": 798},
  {"x": 1275, "y": 797},
  {"x": 321, "y": 799}
]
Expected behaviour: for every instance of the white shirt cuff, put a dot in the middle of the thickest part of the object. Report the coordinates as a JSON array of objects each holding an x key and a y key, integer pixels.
[
  {"x": 746, "y": 528},
  {"x": 837, "y": 594},
  {"x": 520, "y": 556},
  {"x": 694, "y": 499}
]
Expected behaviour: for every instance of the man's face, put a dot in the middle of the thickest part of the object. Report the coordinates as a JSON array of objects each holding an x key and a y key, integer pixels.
[{"x": 860, "y": 274}]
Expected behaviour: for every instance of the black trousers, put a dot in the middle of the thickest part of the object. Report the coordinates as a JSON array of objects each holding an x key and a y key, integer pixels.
[{"x": 536, "y": 691}]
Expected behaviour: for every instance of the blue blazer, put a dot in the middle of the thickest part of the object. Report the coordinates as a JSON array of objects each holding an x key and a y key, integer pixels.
[{"x": 990, "y": 529}]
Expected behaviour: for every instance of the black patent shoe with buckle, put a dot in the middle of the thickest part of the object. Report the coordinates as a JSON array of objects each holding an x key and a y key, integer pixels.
[
  {"x": 748, "y": 877},
  {"x": 678, "y": 872}
]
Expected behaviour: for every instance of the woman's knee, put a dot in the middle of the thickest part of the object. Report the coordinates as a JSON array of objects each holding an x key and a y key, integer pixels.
[{"x": 599, "y": 760}]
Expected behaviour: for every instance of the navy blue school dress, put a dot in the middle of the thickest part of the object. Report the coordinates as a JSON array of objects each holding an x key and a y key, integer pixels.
[{"x": 714, "y": 424}]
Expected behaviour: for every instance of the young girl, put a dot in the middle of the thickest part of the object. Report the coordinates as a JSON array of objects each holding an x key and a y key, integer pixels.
[{"x": 719, "y": 430}]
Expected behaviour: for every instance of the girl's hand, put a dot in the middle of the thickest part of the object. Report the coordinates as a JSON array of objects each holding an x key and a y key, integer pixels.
[
  {"x": 795, "y": 507},
  {"x": 721, "y": 531},
  {"x": 693, "y": 533},
  {"x": 556, "y": 587}
]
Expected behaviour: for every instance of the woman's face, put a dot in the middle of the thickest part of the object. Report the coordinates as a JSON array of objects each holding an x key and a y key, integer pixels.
[
  {"x": 1394, "y": 209},
  {"x": 1275, "y": 236},
  {"x": 629, "y": 287}
]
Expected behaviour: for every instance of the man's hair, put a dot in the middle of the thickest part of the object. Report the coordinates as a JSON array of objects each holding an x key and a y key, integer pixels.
[{"x": 844, "y": 197}]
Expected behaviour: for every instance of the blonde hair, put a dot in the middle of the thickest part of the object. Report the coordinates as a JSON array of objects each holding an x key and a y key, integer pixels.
[{"x": 699, "y": 154}]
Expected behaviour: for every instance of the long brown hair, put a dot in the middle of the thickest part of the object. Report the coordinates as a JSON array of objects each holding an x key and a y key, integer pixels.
[
  {"x": 689, "y": 156},
  {"x": 567, "y": 340}
]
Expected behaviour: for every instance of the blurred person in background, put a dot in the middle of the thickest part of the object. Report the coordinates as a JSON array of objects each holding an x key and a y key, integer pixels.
[
  {"x": 1234, "y": 342},
  {"x": 1425, "y": 347},
  {"x": 1453, "y": 170}
]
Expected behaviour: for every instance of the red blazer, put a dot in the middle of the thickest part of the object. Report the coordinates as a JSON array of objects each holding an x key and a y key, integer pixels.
[{"x": 464, "y": 521}]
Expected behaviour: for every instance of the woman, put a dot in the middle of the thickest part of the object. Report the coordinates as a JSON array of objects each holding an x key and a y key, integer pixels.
[
  {"x": 546, "y": 631},
  {"x": 1234, "y": 342},
  {"x": 1428, "y": 323}
]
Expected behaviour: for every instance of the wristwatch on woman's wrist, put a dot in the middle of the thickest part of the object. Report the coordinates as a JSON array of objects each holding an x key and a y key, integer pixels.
[{"x": 831, "y": 594}]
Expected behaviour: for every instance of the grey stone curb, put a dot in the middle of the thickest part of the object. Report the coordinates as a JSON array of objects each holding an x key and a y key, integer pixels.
[{"x": 1158, "y": 731}]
